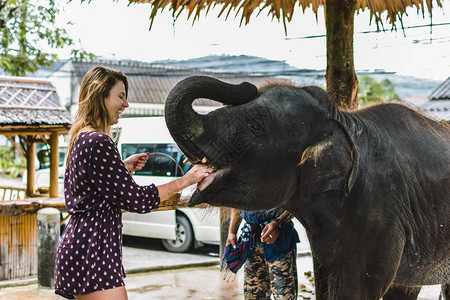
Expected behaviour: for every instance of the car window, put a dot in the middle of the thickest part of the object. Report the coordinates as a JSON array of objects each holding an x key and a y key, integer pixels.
[{"x": 164, "y": 160}]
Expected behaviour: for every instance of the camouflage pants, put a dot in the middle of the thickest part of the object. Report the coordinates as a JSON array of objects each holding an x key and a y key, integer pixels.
[{"x": 277, "y": 277}]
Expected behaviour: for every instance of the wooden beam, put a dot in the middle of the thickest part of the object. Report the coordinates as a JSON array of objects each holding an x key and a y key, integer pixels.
[
  {"x": 54, "y": 155},
  {"x": 44, "y": 98},
  {"x": 7, "y": 82},
  {"x": 13, "y": 97},
  {"x": 44, "y": 139},
  {"x": 3, "y": 90},
  {"x": 34, "y": 132},
  {"x": 29, "y": 206},
  {"x": 23, "y": 143},
  {"x": 33, "y": 92},
  {"x": 18, "y": 148}
]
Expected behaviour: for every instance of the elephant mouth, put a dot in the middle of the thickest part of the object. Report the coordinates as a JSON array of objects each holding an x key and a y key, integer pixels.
[{"x": 206, "y": 183}]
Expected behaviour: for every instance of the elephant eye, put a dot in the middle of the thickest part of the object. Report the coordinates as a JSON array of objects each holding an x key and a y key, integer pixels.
[{"x": 255, "y": 127}]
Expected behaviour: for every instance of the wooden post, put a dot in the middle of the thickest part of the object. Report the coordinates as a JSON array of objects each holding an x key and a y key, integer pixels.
[
  {"x": 48, "y": 232},
  {"x": 54, "y": 153},
  {"x": 30, "y": 154},
  {"x": 342, "y": 83}
]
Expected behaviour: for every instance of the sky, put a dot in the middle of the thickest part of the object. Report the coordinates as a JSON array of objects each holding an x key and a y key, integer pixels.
[{"x": 114, "y": 29}]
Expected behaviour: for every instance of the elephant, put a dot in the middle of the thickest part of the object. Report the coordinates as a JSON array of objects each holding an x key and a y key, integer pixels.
[{"x": 370, "y": 186}]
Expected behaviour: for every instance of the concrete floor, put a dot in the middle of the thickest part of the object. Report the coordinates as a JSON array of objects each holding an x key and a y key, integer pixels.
[
  {"x": 202, "y": 283},
  {"x": 190, "y": 283}
]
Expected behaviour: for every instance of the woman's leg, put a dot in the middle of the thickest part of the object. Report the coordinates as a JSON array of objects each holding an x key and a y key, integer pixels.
[
  {"x": 119, "y": 293},
  {"x": 283, "y": 276},
  {"x": 256, "y": 276}
]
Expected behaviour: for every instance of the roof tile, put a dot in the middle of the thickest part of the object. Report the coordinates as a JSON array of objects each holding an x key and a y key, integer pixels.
[{"x": 442, "y": 92}]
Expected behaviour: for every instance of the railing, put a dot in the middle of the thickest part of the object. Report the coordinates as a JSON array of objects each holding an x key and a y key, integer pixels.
[{"x": 8, "y": 193}]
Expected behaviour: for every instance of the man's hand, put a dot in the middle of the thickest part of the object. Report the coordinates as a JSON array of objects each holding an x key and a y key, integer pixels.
[
  {"x": 235, "y": 221},
  {"x": 231, "y": 239},
  {"x": 270, "y": 233}
]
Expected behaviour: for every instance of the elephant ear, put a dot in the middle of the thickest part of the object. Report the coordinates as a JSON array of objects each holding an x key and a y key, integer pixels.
[
  {"x": 330, "y": 165},
  {"x": 323, "y": 99}
]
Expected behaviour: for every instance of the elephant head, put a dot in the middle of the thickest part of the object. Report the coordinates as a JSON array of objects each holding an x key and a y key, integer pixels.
[{"x": 263, "y": 144}]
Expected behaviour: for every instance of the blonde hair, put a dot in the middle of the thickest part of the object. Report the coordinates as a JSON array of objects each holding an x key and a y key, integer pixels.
[{"x": 92, "y": 113}]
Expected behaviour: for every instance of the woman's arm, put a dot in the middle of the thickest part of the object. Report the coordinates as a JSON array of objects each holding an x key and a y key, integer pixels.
[{"x": 111, "y": 179}]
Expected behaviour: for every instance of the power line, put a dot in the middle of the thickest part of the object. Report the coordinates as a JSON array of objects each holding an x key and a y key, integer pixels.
[{"x": 364, "y": 32}]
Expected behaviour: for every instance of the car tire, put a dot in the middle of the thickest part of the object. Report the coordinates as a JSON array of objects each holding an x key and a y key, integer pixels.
[{"x": 184, "y": 236}]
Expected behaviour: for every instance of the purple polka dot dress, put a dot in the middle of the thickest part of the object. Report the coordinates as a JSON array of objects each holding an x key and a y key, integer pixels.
[{"x": 97, "y": 186}]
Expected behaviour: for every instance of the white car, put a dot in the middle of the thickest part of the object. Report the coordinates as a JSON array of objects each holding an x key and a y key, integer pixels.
[{"x": 180, "y": 229}]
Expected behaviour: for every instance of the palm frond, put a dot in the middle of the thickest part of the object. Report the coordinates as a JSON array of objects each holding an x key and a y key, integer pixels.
[{"x": 283, "y": 10}]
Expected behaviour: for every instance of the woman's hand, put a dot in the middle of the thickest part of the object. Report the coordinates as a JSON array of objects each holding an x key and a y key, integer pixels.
[
  {"x": 270, "y": 233},
  {"x": 197, "y": 173},
  {"x": 136, "y": 162}
]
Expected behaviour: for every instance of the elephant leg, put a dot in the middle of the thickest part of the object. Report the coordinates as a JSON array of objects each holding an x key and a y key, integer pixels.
[
  {"x": 320, "y": 280},
  {"x": 369, "y": 283},
  {"x": 397, "y": 292},
  {"x": 445, "y": 292},
  {"x": 346, "y": 282},
  {"x": 350, "y": 275}
]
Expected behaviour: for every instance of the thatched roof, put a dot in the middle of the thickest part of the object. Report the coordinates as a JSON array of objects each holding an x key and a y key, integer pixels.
[
  {"x": 30, "y": 103},
  {"x": 284, "y": 10}
]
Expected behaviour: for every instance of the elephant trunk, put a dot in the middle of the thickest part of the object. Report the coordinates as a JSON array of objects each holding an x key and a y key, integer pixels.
[{"x": 185, "y": 125}]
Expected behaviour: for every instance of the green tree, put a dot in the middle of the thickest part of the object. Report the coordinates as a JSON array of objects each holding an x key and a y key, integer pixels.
[
  {"x": 372, "y": 92},
  {"x": 23, "y": 25},
  {"x": 9, "y": 163}
]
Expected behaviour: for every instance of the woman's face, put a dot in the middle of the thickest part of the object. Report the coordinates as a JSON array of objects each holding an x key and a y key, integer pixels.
[{"x": 116, "y": 102}]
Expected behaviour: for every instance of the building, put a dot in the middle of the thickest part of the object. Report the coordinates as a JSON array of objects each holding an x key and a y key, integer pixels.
[
  {"x": 149, "y": 84},
  {"x": 438, "y": 105}
]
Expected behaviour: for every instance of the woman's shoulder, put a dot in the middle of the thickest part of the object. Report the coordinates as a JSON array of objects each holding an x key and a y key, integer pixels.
[
  {"x": 93, "y": 137},
  {"x": 89, "y": 140}
]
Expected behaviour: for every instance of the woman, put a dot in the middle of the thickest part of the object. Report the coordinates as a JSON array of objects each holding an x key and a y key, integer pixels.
[{"x": 97, "y": 186}]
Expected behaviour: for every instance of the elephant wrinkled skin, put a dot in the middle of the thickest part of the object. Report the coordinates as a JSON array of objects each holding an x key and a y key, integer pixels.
[{"x": 371, "y": 186}]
